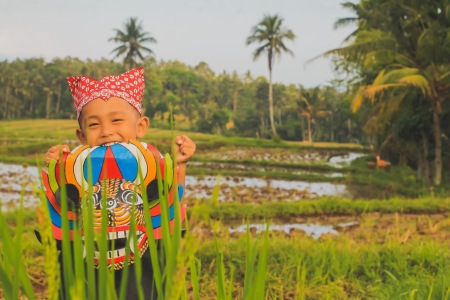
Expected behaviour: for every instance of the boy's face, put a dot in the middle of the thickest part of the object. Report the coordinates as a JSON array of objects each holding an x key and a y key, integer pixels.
[{"x": 113, "y": 121}]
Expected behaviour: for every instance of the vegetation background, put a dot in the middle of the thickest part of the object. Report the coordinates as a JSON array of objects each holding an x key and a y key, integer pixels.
[
  {"x": 394, "y": 98},
  {"x": 393, "y": 102}
]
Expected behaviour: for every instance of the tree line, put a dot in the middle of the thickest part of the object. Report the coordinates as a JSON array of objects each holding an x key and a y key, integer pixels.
[
  {"x": 395, "y": 99},
  {"x": 200, "y": 100}
]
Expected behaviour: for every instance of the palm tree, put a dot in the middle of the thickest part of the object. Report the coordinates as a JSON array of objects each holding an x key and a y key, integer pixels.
[
  {"x": 404, "y": 50},
  {"x": 312, "y": 106},
  {"x": 270, "y": 34},
  {"x": 131, "y": 40}
]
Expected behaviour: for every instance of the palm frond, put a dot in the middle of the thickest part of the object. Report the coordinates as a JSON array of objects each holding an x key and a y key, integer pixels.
[
  {"x": 379, "y": 78},
  {"x": 344, "y": 22},
  {"x": 131, "y": 38},
  {"x": 367, "y": 42},
  {"x": 148, "y": 50},
  {"x": 120, "y": 50},
  {"x": 393, "y": 104},
  {"x": 397, "y": 74},
  {"x": 257, "y": 53},
  {"x": 370, "y": 92},
  {"x": 147, "y": 40},
  {"x": 417, "y": 81},
  {"x": 271, "y": 34},
  {"x": 444, "y": 77}
]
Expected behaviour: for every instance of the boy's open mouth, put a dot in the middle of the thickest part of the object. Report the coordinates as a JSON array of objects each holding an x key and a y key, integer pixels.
[{"x": 109, "y": 144}]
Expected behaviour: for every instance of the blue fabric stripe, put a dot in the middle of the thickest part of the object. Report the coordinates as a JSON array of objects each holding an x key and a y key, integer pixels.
[
  {"x": 56, "y": 218},
  {"x": 156, "y": 220},
  {"x": 97, "y": 157},
  {"x": 126, "y": 161}
]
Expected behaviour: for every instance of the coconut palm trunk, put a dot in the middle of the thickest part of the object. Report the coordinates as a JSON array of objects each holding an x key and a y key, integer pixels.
[
  {"x": 48, "y": 104},
  {"x": 272, "y": 121},
  {"x": 437, "y": 180},
  {"x": 6, "y": 102},
  {"x": 425, "y": 170}
]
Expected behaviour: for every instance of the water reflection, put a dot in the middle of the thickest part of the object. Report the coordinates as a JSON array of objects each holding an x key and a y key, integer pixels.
[
  {"x": 17, "y": 178},
  {"x": 253, "y": 168},
  {"x": 341, "y": 160},
  {"x": 251, "y": 189},
  {"x": 312, "y": 230}
]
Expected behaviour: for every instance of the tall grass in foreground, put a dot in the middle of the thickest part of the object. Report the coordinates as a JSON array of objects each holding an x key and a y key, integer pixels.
[
  {"x": 176, "y": 269},
  {"x": 13, "y": 274},
  {"x": 341, "y": 269},
  {"x": 366, "y": 266}
]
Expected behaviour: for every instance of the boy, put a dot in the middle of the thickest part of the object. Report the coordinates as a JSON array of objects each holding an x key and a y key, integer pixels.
[
  {"x": 105, "y": 118},
  {"x": 109, "y": 112}
]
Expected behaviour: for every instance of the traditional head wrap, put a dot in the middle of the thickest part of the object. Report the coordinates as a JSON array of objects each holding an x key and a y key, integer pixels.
[{"x": 128, "y": 86}]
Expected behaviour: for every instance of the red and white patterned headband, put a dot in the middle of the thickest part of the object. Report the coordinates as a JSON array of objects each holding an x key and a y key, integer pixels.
[{"x": 128, "y": 86}]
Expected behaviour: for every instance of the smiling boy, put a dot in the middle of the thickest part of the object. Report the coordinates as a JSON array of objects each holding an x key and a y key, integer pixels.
[
  {"x": 104, "y": 117},
  {"x": 109, "y": 111}
]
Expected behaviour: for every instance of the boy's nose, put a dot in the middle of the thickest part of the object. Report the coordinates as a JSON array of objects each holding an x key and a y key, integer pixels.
[{"x": 106, "y": 131}]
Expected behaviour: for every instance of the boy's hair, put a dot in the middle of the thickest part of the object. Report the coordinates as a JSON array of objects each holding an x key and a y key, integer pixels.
[{"x": 128, "y": 86}]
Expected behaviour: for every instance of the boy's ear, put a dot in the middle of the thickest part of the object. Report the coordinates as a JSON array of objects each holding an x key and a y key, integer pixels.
[
  {"x": 142, "y": 127},
  {"x": 81, "y": 136}
]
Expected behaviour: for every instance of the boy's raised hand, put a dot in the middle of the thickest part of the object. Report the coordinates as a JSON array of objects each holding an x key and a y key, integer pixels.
[
  {"x": 54, "y": 153},
  {"x": 185, "y": 149}
]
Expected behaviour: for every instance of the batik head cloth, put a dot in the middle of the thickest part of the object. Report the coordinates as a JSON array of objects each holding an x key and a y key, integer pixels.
[{"x": 128, "y": 86}]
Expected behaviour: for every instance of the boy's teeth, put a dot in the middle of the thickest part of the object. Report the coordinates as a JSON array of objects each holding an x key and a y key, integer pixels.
[{"x": 110, "y": 144}]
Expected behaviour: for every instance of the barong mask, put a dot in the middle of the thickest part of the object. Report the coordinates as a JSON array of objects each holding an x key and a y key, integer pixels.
[{"x": 117, "y": 172}]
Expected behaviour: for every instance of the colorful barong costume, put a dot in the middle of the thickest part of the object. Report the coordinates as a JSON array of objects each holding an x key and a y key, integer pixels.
[{"x": 119, "y": 172}]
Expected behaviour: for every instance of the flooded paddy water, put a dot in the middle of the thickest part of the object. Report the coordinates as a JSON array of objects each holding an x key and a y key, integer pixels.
[
  {"x": 292, "y": 156},
  {"x": 22, "y": 182},
  {"x": 313, "y": 230},
  {"x": 262, "y": 169},
  {"x": 259, "y": 190},
  {"x": 16, "y": 180}
]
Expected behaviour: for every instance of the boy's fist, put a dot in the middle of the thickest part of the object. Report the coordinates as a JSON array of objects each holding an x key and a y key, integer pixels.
[
  {"x": 54, "y": 153},
  {"x": 185, "y": 149}
]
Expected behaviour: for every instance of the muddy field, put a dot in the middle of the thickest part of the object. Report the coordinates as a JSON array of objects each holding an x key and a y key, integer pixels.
[
  {"x": 17, "y": 179},
  {"x": 292, "y": 156},
  {"x": 361, "y": 228}
]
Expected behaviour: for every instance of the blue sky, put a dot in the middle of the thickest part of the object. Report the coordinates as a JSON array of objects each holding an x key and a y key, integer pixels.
[{"x": 191, "y": 31}]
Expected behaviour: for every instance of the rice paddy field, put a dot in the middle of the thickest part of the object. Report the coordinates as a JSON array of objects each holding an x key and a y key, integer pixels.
[{"x": 266, "y": 220}]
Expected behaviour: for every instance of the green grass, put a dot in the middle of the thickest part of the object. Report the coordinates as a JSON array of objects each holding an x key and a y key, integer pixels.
[
  {"x": 341, "y": 267},
  {"x": 394, "y": 261},
  {"x": 267, "y": 174},
  {"x": 170, "y": 263},
  {"x": 32, "y": 137},
  {"x": 26, "y": 141},
  {"x": 227, "y": 211}
]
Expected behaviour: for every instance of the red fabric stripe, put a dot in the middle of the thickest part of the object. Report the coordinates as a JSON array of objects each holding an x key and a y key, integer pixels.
[{"x": 110, "y": 168}]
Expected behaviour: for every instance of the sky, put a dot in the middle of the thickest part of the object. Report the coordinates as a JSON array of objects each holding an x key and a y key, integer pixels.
[{"x": 191, "y": 31}]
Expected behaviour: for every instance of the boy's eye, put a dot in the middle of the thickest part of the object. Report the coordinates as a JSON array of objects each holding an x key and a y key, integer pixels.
[
  {"x": 93, "y": 125},
  {"x": 117, "y": 120}
]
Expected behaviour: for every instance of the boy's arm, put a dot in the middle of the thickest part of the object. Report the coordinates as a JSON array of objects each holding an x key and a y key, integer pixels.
[
  {"x": 185, "y": 149},
  {"x": 182, "y": 174}
]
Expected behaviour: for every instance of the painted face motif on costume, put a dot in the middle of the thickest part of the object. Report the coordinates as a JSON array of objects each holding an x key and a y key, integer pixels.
[
  {"x": 113, "y": 172},
  {"x": 122, "y": 202}
]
